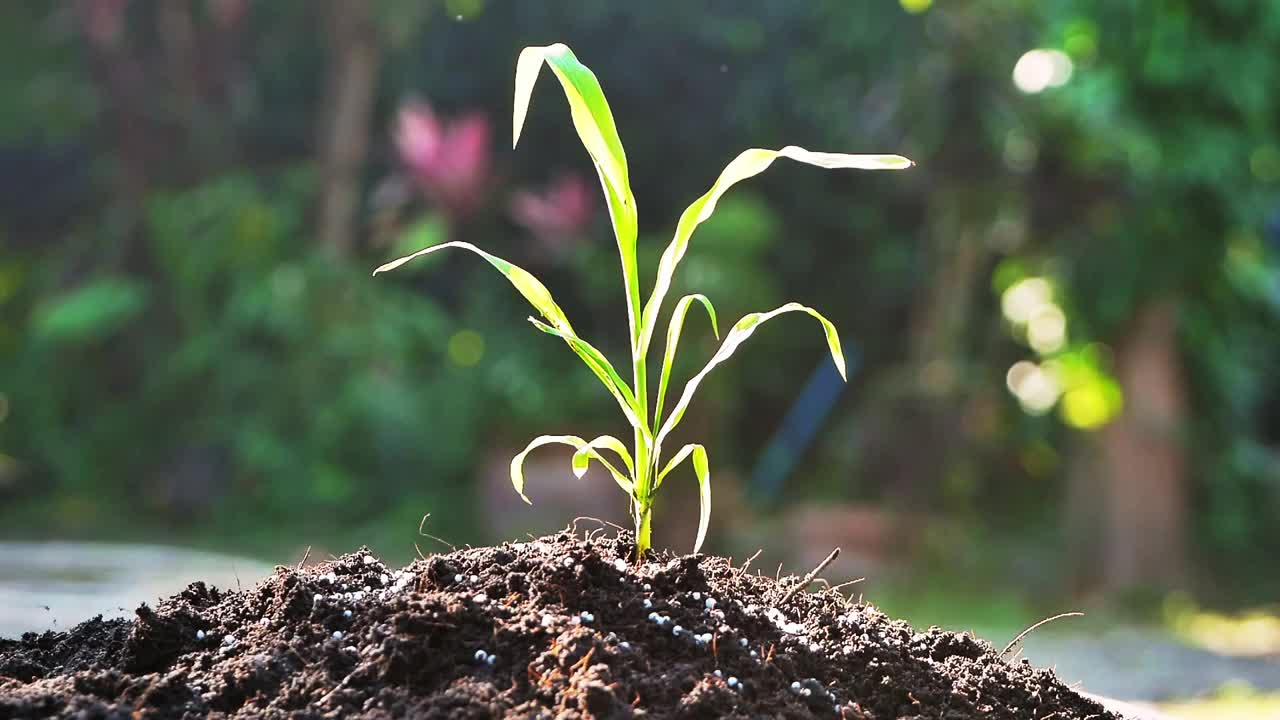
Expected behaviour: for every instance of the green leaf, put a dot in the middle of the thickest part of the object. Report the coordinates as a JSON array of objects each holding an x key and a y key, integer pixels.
[
  {"x": 594, "y": 123},
  {"x": 90, "y": 312},
  {"x": 740, "y": 332},
  {"x": 602, "y": 368},
  {"x": 592, "y": 117},
  {"x": 585, "y": 454},
  {"x": 573, "y": 441},
  {"x": 673, "y": 340},
  {"x": 748, "y": 164},
  {"x": 701, "y": 469},
  {"x": 529, "y": 286},
  {"x": 625, "y": 228}
]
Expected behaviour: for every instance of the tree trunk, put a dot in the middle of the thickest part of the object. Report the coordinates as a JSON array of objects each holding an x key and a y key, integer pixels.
[
  {"x": 1140, "y": 486},
  {"x": 353, "y": 79}
]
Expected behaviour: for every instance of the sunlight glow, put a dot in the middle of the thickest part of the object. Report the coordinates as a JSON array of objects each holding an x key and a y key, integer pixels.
[
  {"x": 1039, "y": 69},
  {"x": 1047, "y": 329},
  {"x": 1024, "y": 298},
  {"x": 466, "y": 348},
  {"x": 1035, "y": 387}
]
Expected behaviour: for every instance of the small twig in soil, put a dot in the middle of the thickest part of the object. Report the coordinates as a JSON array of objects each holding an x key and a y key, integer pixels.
[
  {"x": 804, "y": 582},
  {"x": 847, "y": 584},
  {"x": 1014, "y": 642},
  {"x": 425, "y": 534},
  {"x": 596, "y": 519},
  {"x": 747, "y": 564},
  {"x": 302, "y": 563}
]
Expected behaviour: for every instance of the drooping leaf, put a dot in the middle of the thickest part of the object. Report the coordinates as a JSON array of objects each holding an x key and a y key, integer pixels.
[
  {"x": 673, "y": 340},
  {"x": 585, "y": 454},
  {"x": 602, "y": 368},
  {"x": 594, "y": 123},
  {"x": 703, "y": 472},
  {"x": 540, "y": 297},
  {"x": 573, "y": 441},
  {"x": 592, "y": 117},
  {"x": 748, "y": 164},
  {"x": 736, "y": 336},
  {"x": 529, "y": 286}
]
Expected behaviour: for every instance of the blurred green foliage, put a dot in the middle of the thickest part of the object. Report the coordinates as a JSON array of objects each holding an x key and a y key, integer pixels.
[{"x": 178, "y": 350}]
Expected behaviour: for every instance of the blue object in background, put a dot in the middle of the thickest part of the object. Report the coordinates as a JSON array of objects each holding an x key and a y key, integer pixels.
[{"x": 798, "y": 428}]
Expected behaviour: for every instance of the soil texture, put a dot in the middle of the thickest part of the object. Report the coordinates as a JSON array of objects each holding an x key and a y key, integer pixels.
[{"x": 565, "y": 626}]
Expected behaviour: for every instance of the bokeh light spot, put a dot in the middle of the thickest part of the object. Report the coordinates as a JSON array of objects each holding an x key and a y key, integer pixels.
[
  {"x": 1036, "y": 388},
  {"x": 1091, "y": 405},
  {"x": 466, "y": 348},
  {"x": 1022, "y": 299},
  {"x": 915, "y": 7},
  {"x": 1047, "y": 329},
  {"x": 1040, "y": 69},
  {"x": 1081, "y": 39}
]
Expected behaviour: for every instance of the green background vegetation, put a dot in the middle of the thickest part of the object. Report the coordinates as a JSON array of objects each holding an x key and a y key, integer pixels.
[{"x": 191, "y": 348}]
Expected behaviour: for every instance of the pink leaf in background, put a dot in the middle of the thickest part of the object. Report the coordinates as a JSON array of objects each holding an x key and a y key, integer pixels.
[
  {"x": 558, "y": 215},
  {"x": 448, "y": 159}
]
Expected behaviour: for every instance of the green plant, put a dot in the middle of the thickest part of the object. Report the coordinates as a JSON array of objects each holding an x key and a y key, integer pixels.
[{"x": 595, "y": 126}]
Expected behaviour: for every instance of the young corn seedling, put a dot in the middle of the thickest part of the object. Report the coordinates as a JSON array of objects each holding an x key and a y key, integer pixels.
[{"x": 641, "y": 470}]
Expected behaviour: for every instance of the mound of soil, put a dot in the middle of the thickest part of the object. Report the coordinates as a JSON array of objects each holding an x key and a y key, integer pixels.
[{"x": 564, "y": 626}]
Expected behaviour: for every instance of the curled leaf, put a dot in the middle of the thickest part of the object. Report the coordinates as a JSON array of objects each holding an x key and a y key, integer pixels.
[
  {"x": 594, "y": 123},
  {"x": 573, "y": 441},
  {"x": 602, "y": 368},
  {"x": 703, "y": 473},
  {"x": 748, "y": 163},
  {"x": 673, "y": 340},
  {"x": 585, "y": 454},
  {"x": 529, "y": 286},
  {"x": 740, "y": 332}
]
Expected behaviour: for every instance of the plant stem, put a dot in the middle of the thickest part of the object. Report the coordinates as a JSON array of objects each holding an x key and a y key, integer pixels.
[
  {"x": 643, "y": 512},
  {"x": 644, "y": 463}
]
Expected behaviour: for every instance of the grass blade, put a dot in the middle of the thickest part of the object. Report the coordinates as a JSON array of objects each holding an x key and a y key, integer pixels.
[
  {"x": 592, "y": 117},
  {"x": 736, "y": 336},
  {"x": 673, "y": 340},
  {"x": 529, "y": 286},
  {"x": 603, "y": 369},
  {"x": 594, "y": 123},
  {"x": 540, "y": 297},
  {"x": 748, "y": 164},
  {"x": 703, "y": 472},
  {"x": 573, "y": 441}
]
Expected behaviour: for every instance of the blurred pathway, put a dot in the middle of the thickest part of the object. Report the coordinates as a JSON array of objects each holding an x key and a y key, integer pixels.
[
  {"x": 56, "y": 585},
  {"x": 1145, "y": 665}
]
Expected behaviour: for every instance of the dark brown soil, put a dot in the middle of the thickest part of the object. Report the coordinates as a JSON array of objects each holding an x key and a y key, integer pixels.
[{"x": 572, "y": 629}]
